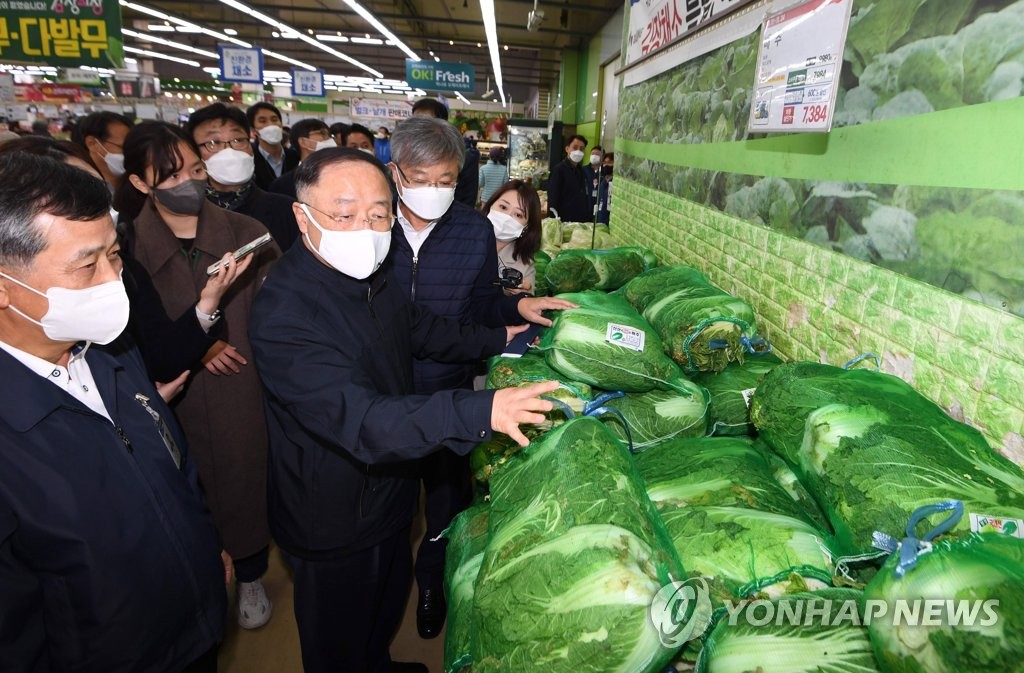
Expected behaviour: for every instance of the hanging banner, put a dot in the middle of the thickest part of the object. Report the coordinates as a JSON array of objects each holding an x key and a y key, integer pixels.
[
  {"x": 654, "y": 24},
  {"x": 379, "y": 108},
  {"x": 440, "y": 76},
  {"x": 798, "y": 67},
  {"x": 241, "y": 64},
  {"x": 62, "y": 32},
  {"x": 308, "y": 84},
  {"x": 51, "y": 93}
]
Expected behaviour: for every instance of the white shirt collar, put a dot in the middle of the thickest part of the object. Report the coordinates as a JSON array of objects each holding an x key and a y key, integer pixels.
[{"x": 415, "y": 238}]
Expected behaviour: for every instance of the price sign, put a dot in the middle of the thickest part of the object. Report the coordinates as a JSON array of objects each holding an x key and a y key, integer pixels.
[
  {"x": 798, "y": 67},
  {"x": 240, "y": 64},
  {"x": 308, "y": 83}
]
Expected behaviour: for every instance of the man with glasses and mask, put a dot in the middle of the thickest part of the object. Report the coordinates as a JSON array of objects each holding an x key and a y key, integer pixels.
[
  {"x": 109, "y": 561},
  {"x": 334, "y": 338},
  {"x": 222, "y": 135},
  {"x": 308, "y": 135},
  {"x": 445, "y": 259}
]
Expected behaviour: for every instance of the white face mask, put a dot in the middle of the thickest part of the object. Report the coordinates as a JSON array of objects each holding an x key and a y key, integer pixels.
[
  {"x": 430, "y": 203},
  {"x": 231, "y": 167},
  {"x": 272, "y": 134},
  {"x": 326, "y": 143},
  {"x": 379, "y": 136},
  {"x": 506, "y": 227},
  {"x": 368, "y": 151},
  {"x": 97, "y": 314},
  {"x": 595, "y": 159},
  {"x": 354, "y": 253},
  {"x": 114, "y": 162},
  {"x": 576, "y": 156}
]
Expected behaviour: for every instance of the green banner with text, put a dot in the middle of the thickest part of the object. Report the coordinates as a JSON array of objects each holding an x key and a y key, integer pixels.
[
  {"x": 440, "y": 76},
  {"x": 62, "y": 32}
]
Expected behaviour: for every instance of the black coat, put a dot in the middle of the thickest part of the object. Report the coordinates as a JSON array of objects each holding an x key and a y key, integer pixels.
[
  {"x": 335, "y": 357},
  {"x": 273, "y": 211},
  {"x": 468, "y": 186},
  {"x": 455, "y": 276},
  {"x": 569, "y": 193},
  {"x": 264, "y": 173},
  {"x": 285, "y": 185},
  {"x": 109, "y": 562}
]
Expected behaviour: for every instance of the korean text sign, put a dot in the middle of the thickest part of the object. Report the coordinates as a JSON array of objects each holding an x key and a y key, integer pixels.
[
  {"x": 308, "y": 83},
  {"x": 241, "y": 64},
  {"x": 62, "y": 32}
]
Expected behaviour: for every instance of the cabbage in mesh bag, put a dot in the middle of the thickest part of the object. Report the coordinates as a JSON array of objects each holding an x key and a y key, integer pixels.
[
  {"x": 659, "y": 415},
  {"x": 730, "y": 390},
  {"x": 467, "y": 538},
  {"x": 578, "y": 270}
]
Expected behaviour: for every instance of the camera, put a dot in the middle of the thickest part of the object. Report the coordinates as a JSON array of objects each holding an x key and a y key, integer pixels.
[{"x": 510, "y": 278}]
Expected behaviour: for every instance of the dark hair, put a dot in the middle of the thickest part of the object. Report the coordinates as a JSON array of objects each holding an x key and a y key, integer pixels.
[
  {"x": 598, "y": 148},
  {"x": 42, "y": 146},
  {"x": 303, "y": 127},
  {"x": 338, "y": 127},
  {"x": 497, "y": 154},
  {"x": 610, "y": 155},
  {"x": 361, "y": 130},
  {"x": 307, "y": 175},
  {"x": 527, "y": 245},
  {"x": 150, "y": 144},
  {"x": 217, "y": 111},
  {"x": 431, "y": 105},
  {"x": 27, "y": 190},
  {"x": 575, "y": 137},
  {"x": 97, "y": 124},
  {"x": 386, "y": 130},
  {"x": 250, "y": 113}
]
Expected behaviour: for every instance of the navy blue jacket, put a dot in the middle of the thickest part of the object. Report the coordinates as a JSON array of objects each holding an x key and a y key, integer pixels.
[
  {"x": 109, "y": 561},
  {"x": 455, "y": 275},
  {"x": 570, "y": 194},
  {"x": 335, "y": 358}
]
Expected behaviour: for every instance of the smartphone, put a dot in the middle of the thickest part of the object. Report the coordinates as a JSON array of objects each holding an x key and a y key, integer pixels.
[
  {"x": 521, "y": 342},
  {"x": 247, "y": 249}
]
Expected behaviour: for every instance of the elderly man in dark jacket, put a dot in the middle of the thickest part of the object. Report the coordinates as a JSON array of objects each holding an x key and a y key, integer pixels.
[
  {"x": 109, "y": 562},
  {"x": 445, "y": 259},
  {"x": 334, "y": 338}
]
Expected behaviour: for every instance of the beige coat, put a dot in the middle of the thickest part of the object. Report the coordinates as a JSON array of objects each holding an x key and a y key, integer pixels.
[{"x": 222, "y": 415}]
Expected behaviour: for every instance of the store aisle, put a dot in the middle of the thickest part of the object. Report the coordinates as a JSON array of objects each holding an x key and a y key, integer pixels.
[{"x": 275, "y": 647}]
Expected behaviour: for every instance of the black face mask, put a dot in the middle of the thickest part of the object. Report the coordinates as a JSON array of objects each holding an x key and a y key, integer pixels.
[{"x": 184, "y": 199}]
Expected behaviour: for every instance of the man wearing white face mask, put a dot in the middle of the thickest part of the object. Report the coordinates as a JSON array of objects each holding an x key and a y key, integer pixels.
[
  {"x": 102, "y": 134},
  {"x": 568, "y": 191},
  {"x": 308, "y": 135},
  {"x": 222, "y": 135},
  {"x": 333, "y": 337},
  {"x": 109, "y": 562},
  {"x": 273, "y": 159}
]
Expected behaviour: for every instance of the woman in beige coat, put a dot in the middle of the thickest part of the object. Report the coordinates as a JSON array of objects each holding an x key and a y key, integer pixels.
[{"x": 175, "y": 234}]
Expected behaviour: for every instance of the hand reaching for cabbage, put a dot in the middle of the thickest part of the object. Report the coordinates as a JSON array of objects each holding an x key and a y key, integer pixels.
[{"x": 513, "y": 407}]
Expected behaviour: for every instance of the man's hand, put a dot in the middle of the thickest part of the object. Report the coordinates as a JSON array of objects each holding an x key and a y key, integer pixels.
[
  {"x": 168, "y": 391},
  {"x": 512, "y": 330},
  {"x": 515, "y": 406},
  {"x": 223, "y": 359},
  {"x": 229, "y": 566},
  {"x": 531, "y": 307}
]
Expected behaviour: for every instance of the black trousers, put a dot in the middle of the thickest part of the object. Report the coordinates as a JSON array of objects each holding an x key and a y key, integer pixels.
[
  {"x": 251, "y": 568},
  {"x": 204, "y": 664},
  {"x": 447, "y": 482},
  {"x": 349, "y": 609}
]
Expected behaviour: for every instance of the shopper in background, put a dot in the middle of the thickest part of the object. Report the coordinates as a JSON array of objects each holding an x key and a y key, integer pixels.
[
  {"x": 338, "y": 132},
  {"x": 592, "y": 171},
  {"x": 222, "y": 135},
  {"x": 359, "y": 138},
  {"x": 568, "y": 191},
  {"x": 604, "y": 196},
  {"x": 334, "y": 342},
  {"x": 514, "y": 212},
  {"x": 444, "y": 258},
  {"x": 493, "y": 174},
  {"x": 175, "y": 233},
  {"x": 308, "y": 135},
  {"x": 102, "y": 134},
  {"x": 382, "y": 145},
  {"x": 468, "y": 186},
  {"x": 272, "y": 159},
  {"x": 109, "y": 562}
]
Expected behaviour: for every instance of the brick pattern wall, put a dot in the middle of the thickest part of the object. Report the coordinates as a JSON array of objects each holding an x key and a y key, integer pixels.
[{"x": 813, "y": 304}]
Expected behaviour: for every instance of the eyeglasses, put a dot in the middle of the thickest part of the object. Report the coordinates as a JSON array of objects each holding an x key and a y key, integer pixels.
[
  {"x": 376, "y": 222},
  {"x": 418, "y": 184},
  {"x": 214, "y": 146}
]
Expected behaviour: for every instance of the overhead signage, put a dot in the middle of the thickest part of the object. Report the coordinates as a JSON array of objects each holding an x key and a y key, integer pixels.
[
  {"x": 654, "y": 24},
  {"x": 798, "y": 67},
  {"x": 440, "y": 76},
  {"x": 62, "y": 32},
  {"x": 51, "y": 93},
  {"x": 379, "y": 108},
  {"x": 241, "y": 64},
  {"x": 308, "y": 84}
]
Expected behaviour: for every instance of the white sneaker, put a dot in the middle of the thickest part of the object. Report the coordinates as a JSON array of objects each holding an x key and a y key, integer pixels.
[{"x": 254, "y": 608}]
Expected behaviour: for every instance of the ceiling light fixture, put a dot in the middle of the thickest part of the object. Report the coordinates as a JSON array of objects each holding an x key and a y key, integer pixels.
[
  {"x": 285, "y": 28},
  {"x": 463, "y": 98},
  {"x": 367, "y": 40},
  {"x": 160, "y": 27},
  {"x": 153, "y": 54},
  {"x": 332, "y": 38},
  {"x": 169, "y": 43},
  {"x": 381, "y": 28},
  {"x": 491, "y": 30}
]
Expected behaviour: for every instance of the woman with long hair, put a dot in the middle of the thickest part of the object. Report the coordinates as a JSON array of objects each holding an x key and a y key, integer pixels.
[{"x": 514, "y": 211}]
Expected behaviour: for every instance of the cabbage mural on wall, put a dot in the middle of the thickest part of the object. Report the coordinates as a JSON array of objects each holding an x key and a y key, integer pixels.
[{"x": 903, "y": 58}]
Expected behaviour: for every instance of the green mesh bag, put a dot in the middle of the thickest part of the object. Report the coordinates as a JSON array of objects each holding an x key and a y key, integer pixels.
[
  {"x": 871, "y": 450},
  {"x": 729, "y": 414},
  {"x": 578, "y": 270},
  {"x": 659, "y": 415},
  {"x": 645, "y": 288},
  {"x": 467, "y": 538},
  {"x": 575, "y": 556},
  {"x": 540, "y": 264},
  {"x": 731, "y": 520},
  {"x": 819, "y": 632}
]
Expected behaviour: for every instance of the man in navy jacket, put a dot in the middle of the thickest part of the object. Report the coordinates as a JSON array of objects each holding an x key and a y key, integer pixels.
[
  {"x": 334, "y": 338},
  {"x": 109, "y": 561}
]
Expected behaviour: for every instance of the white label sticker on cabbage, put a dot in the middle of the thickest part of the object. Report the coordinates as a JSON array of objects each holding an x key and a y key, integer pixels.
[
  {"x": 983, "y": 523},
  {"x": 625, "y": 336},
  {"x": 747, "y": 394}
]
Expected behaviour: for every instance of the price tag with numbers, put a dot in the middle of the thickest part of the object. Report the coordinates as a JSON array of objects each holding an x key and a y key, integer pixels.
[{"x": 799, "y": 62}]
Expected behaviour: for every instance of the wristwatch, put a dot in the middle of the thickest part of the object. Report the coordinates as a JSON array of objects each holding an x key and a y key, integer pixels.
[{"x": 214, "y": 317}]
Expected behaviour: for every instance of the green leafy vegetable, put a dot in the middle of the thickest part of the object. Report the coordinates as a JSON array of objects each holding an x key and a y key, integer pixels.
[
  {"x": 467, "y": 538},
  {"x": 729, "y": 412},
  {"x": 577, "y": 270},
  {"x": 660, "y": 414}
]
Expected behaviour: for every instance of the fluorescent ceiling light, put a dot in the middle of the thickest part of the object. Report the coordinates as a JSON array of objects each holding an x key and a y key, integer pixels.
[
  {"x": 462, "y": 98},
  {"x": 381, "y": 28},
  {"x": 332, "y": 38},
  {"x": 367, "y": 40},
  {"x": 189, "y": 29},
  {"x": 491, "y": 29},
  {"x": 437, "y": 59},
  {"x": 285, "y": 28},
  {"x": 160, "y": 27},
  {"x": 169, "y": 43},
  {"x": 289, "y": 59},
  {"x": 230, "y": 31},
  {"x": 153, "y": 54}
]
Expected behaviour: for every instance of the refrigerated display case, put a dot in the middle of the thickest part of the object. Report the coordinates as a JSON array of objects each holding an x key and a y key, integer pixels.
[{"x": 529, "y": 150}]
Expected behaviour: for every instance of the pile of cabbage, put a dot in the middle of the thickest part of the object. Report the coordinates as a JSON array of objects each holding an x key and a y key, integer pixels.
[{"x": 579, "y": 270}]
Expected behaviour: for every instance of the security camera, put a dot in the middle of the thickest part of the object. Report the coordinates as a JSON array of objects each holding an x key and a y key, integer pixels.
[{"x": 534, "y": 19}]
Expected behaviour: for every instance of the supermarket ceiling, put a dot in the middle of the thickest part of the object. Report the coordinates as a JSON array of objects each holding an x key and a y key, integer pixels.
[{"x": 444, "y": 30}]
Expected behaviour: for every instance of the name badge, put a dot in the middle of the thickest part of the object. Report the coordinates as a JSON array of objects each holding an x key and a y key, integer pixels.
[{"x": 162, "y": 430}]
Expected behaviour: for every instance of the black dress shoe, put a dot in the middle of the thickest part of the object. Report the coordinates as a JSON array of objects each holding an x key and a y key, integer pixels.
[
  {"x": 431, "y": 612},
  {"x": 408, "y": 667}
]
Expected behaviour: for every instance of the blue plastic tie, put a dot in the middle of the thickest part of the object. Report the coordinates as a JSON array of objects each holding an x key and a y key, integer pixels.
[
  {"x": 718, "y": 344},
  {"x": 755, "y": 346},
  {"x": 912, "y": 547},
  {"x": 595, "y": 408},
  {"x": 860, "y": 358}
]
